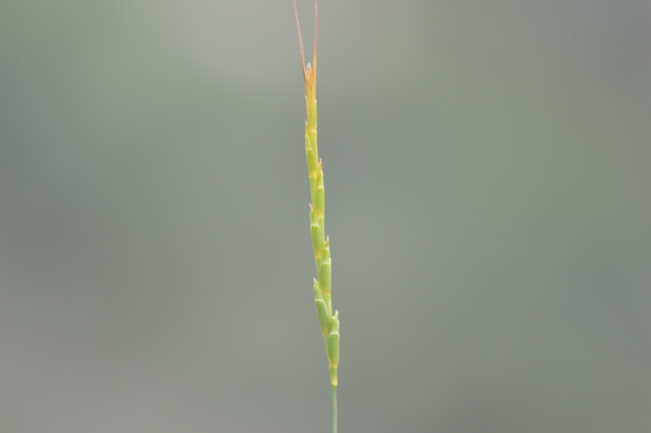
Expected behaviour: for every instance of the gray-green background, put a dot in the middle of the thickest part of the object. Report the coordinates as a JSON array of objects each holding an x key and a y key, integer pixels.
[{"x": 488, "y": 172}]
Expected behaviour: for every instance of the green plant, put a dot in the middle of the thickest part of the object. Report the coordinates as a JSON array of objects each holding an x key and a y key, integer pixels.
[{"x": 328, "y": 322}]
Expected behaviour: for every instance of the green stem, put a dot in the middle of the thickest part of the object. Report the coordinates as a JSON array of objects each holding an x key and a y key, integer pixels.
[{"x": 334, "y": 408}]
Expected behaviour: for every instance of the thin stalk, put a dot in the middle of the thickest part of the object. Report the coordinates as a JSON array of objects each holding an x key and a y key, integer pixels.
[
  {"x": 334, "y": 408},
  {"x": 328, "y": 321}
]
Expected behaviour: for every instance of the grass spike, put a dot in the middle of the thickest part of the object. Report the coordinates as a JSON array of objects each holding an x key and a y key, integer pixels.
[{"x": 328, "y": 322}]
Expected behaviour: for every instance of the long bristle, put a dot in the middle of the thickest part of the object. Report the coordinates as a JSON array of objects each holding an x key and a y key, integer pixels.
[
  {"x": 316, "y": 33},
  {"x": 300, "y": 40}
]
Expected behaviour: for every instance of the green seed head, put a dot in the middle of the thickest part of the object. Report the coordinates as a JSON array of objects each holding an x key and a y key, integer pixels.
[
  {"x": 328, "y": 323},
  {"x": 322, "y": 315},
  {"x": 319, "y": 199},
  {"x": 333, "y": 348},
  {"x": 317, "y": 290},
  {"x": 312, "y": 162},
  {"x": 317, "y": 241},
  {"x": 325, "y": 272}
]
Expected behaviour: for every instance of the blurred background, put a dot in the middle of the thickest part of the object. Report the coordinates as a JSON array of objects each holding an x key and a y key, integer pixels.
[{"x": 487, "y": 167}]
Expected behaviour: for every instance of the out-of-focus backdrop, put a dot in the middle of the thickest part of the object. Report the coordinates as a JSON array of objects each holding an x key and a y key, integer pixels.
[{"x": 488, "y": 173}]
